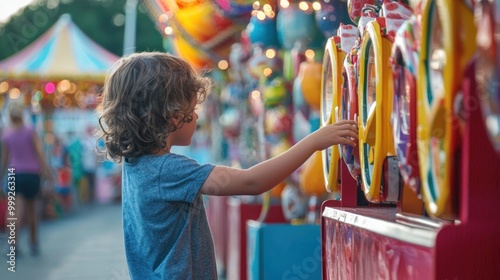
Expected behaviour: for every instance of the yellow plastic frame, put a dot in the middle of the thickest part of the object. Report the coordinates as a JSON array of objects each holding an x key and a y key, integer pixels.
[
  {"x": 435, "y": 120},
  {"x": 333, "y": 58},
  {"x": 376, "y": 131}
]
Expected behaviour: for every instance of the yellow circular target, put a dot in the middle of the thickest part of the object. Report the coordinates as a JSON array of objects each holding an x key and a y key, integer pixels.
[
  {"x": 330, "y": 90},
  {"x": 375, "y": 94},
  {"x": 447, "y": 44}
]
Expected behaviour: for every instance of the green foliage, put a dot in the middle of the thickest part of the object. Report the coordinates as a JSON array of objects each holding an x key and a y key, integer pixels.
[{"x": 98, "y": 19}]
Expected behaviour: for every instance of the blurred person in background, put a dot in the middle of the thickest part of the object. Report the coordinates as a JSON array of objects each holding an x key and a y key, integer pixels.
[
  {"x": 22, "y": 153},
  {"x": 73, "y": 159},
  {"x": 89, "y": 161}
]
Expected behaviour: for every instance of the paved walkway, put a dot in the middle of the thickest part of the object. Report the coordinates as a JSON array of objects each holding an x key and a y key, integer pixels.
[{"x": 86, "y": 246}]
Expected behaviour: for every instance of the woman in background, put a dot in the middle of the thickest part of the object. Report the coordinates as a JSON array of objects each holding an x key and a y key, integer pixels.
[{"x": 23, "y": 154}]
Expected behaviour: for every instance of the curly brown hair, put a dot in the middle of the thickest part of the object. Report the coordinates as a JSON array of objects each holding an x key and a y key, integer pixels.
[{"x": 141, "y": 95}]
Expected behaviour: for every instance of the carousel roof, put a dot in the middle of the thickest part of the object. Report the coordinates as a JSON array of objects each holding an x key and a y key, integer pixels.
[{"x": 63, "y": 52}]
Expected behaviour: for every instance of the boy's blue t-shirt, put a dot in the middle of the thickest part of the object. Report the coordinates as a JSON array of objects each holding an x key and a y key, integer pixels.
[{"x": 165, "y": 226}]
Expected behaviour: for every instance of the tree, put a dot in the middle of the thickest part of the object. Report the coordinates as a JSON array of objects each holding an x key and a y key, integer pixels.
[{"x": 101, "y": 20}]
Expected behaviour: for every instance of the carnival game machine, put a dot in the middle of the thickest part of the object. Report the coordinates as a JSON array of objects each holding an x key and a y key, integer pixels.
[{"x": 417, "y": 197}]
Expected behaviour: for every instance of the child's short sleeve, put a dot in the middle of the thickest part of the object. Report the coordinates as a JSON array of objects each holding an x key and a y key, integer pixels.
[{"x": 181, "y": 178}]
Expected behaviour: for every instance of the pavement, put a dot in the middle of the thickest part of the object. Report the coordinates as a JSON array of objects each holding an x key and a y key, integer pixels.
[{"x": 84, "y": 245}]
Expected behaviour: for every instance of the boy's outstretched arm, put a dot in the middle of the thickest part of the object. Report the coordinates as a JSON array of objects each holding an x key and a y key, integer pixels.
[{"x": 267, "y": 174}]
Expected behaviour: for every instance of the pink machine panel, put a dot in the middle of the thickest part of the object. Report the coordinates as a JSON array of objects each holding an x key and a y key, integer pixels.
[{"x": 375, "y": 244}]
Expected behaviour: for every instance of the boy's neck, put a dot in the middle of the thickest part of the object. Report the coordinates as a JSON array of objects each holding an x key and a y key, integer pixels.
[{"x": 164, "y": 151}]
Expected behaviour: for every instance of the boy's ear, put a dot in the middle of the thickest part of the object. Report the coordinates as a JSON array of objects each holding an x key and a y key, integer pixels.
[{"x": 176, "y": 119}]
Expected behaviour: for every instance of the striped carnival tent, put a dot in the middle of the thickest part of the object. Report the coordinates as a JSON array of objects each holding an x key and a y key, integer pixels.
[
  {"x": 63, "y": 52},
  {"x": 63, "y": 68}
]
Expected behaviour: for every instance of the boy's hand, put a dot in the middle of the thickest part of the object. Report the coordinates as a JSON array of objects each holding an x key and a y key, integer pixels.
[{"x": 342, "y": 132}]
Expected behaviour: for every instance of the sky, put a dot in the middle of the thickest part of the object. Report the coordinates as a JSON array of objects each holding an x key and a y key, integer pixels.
[{"x": 10, "y": 7}]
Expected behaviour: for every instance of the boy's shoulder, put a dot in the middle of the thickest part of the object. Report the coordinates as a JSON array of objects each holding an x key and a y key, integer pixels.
[
  {"x": 157, "y": 161},
  {"x": 179, "y": 164},
  {"x": 169, "y": 161}
]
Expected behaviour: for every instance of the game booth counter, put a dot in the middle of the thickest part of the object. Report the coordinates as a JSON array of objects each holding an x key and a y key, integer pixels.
[
  {"x": 58, "y": 77},
  {"x": 418, "y": 195}
]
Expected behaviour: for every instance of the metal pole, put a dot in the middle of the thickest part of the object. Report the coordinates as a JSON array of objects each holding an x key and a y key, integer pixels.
[{"x": 130, "y": 27}]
